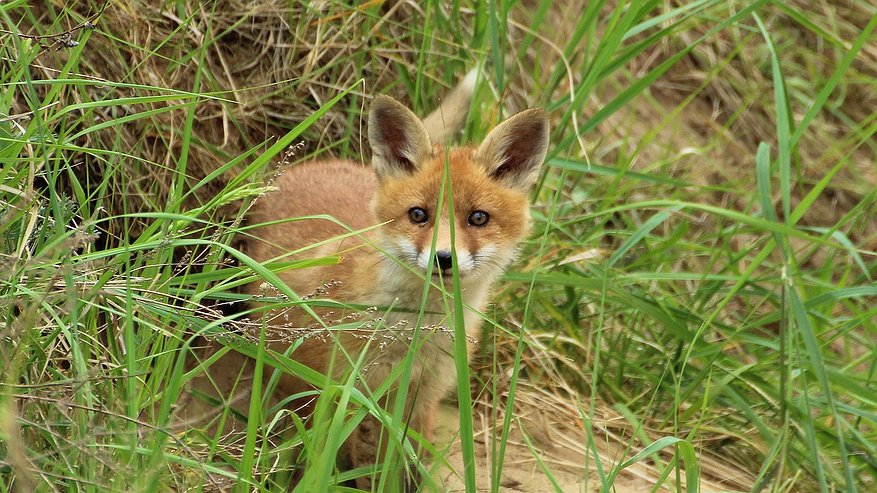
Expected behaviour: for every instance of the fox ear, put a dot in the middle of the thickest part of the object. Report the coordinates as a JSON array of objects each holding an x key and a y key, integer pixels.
[
  {"x": 515, "y": 150},
  {"x": 398, "y": 139}
]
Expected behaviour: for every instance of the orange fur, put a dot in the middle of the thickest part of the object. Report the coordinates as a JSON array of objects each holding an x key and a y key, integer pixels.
[{"x": 387, "y": 266}]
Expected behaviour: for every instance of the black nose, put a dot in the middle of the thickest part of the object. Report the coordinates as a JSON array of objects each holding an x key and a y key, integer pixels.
[{"x": 443, "y": 260}]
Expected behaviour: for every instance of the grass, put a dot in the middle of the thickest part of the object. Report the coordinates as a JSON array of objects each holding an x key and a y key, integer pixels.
[{"x": 695, "y": 306}]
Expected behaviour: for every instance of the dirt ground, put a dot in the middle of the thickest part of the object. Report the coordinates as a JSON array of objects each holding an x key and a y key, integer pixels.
[{"x": 563, "y": 453}]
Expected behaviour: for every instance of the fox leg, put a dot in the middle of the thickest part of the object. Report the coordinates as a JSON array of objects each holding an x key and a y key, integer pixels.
[{"x": 367, "y": 446}]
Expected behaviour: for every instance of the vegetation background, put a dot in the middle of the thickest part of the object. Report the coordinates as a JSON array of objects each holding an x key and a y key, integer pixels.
[{"x": 696, "y": 308}]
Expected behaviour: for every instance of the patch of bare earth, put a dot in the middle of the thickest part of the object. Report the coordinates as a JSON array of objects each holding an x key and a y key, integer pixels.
[{"x": 548, "y": 451}]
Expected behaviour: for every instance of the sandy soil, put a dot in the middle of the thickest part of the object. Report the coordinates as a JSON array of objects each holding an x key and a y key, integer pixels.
[{"x": 561, "y": 452}]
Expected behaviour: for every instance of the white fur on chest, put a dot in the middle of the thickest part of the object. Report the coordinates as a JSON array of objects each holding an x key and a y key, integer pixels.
[{"x": 407, "y": 323}]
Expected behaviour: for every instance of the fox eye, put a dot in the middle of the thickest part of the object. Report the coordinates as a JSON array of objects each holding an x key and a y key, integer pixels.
[
  {"x": 417, "y": 215},
  {"x": 479, "y": 218}
]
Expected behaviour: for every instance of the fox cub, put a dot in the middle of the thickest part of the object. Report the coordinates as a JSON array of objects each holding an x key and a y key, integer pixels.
[{"x": 389, "y": 266}]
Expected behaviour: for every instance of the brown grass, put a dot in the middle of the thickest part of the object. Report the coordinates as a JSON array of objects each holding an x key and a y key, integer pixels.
[
  {"x": 699, "y": 122},
  {"x": 274, "y": 78}
]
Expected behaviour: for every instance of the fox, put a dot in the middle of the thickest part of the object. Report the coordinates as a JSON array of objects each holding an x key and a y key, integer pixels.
[{"x": 402, "y": 246}]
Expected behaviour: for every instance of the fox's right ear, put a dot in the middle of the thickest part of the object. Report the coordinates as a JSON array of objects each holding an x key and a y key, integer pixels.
[{"x": 398, "y": 139}]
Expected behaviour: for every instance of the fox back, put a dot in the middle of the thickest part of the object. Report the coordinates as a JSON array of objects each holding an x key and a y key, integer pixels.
[{"x": 399, "y": 226}]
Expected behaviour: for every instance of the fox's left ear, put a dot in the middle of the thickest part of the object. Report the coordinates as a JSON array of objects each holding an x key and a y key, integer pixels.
[
  {"x": 398, "y": 139},
  {"x": 515, "y": 150}
]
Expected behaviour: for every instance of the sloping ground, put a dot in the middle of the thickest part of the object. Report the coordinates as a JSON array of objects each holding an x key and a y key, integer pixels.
[{"x": 549, "y": 451}]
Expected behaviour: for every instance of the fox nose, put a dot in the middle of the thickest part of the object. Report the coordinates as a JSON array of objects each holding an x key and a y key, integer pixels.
[{"x": 443, "y": 260}]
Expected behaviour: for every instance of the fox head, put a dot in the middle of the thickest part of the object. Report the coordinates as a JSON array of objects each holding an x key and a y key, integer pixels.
[{"x": 488, "y": 190}]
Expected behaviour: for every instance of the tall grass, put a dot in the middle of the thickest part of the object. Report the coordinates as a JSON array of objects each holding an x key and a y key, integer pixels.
[{"x": 696, "y": 302}]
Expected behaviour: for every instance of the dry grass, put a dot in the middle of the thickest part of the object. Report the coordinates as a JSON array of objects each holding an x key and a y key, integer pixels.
[
  {"x": 262, "y": 68},
  {"x": 710, "y": 110}
]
